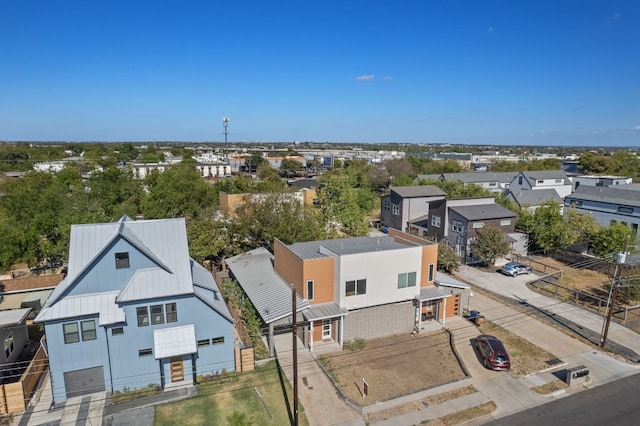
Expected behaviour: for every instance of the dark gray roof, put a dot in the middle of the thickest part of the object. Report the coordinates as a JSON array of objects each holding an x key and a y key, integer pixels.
[
  {"x": 344, "y": 246},
  {"x": 418, "y": 191},
  {"x": 547, "y": 174},
  {"x": 474, "y": 177},
  {"x": 483, "y": 211},
  {"x": 603, "y": 194},
  {"x": 535, "y": 197},
  {"x": 268, "y": 292}
]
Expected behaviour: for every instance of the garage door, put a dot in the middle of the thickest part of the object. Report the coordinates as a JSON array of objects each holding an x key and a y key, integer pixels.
[{"x": 83, "y": 382}]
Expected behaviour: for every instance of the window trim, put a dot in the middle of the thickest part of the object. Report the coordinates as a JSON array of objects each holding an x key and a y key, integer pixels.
[
  {"x": 71, "y": 334},
  {"x": 431, "y": 272},
  {"x": 457, "y": 226},
  {"x": 172, "y": 316},
  {"x": 310, "y": 289},
  {"x": 122, "y": 260},
  {"x": 145, "y": 318},
  {"x": 478, "y": 225},
  {"x": 86, "y": 334},
  {"x": 203, "y": 342},
  {"x": 117, "y": 331},
  {"x": 158, "y": 316},
  {"x": 395, "y": 210},
  {"x": 145, "y": 352},
  {"x": 407, "y": 279},
  {"x": 358, "y": 284},
  {"x": 217, "y": 340},
  {"x": 436, "y": 221}
]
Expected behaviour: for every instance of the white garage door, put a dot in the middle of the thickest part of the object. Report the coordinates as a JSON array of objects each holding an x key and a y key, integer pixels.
[{"x": 83, "y": 382}]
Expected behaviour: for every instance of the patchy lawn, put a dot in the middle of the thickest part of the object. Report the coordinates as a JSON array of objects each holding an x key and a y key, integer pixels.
[
  {"x": 394, "y": 366},
  {"x": 234, "y": 399},
  {"x": 526, "y": 358},
  {"x": 579, "y": 279}
]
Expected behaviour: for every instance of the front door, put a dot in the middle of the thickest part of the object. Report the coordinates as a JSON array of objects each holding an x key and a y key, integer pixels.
[
  {"x": 177, "y": 370},
  {"x": 326, "y": 329}
]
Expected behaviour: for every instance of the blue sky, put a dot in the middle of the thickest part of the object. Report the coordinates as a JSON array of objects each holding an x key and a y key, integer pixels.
[{"x": 543, "y": 72}]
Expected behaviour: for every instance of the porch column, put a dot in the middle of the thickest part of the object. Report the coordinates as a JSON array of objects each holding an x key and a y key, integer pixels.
[
  {"x": 341, "y": 339},
  {"x": 311, "y": 336},
  {"x": 444, "y": 311},
  {"x": 271, "y": 345}
]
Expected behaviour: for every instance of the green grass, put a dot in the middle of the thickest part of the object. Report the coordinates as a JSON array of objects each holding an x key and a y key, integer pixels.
[{"x": 217, "y": 401}]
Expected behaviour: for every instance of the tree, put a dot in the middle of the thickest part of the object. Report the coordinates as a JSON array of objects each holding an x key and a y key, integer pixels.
[
  {"x": 254, "y": 161},
  {"x": 289, "y": 168},
  {"x": 448, "y": 260},
  {"x": 610, "y": 239},
  {"x": 490, "y": 244}
]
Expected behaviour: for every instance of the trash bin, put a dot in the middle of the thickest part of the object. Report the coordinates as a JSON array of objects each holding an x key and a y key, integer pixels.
[{"x": 476, "y": 317}]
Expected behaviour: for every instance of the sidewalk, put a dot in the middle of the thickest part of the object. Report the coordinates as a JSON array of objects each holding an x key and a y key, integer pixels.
[
  {"x": 581, "y": 321},
  {"x": 322, "y": 404}
]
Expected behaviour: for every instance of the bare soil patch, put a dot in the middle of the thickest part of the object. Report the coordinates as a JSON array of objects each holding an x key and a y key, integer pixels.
[
  {"x": 394, "y": 366},
  {"x": 579, "y": 279}
]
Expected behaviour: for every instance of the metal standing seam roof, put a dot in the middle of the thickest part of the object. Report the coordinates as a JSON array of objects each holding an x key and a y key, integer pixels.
[
  {"x": 174, "y": 341},
  {"x": 269, "y": 293},
  {"x": 164, "y": 241},
  {"x": 101, "y": 304},
  {"x": 311, "y": 249},
  {"x": 547, "y": 174},
  {"x": 13, "y": 317},
  {"x": 445, "y": 280},
  {"x": 611, "y": 195},
  {"x": 483, "y": 212},
  {"x": 322, "y": 311},
  {"x": 432, "y": 293},
  {"x": 203, "y": 279}
]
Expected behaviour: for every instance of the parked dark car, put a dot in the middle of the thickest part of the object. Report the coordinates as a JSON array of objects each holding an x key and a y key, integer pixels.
[
  {"x": 494, "y": 354},
  {"x": 515, "y": 268}
]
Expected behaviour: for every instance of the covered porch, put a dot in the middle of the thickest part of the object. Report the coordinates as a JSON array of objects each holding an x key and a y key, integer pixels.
[
  {"x": 326, "y": 325},
  {"x": 431, "y": 306}
]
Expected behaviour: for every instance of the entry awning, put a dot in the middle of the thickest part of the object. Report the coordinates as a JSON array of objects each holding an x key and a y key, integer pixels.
[
  {"x": 174, "y": 341},
  {"x": 324, "y": 311},
  {"x": 432, "y": 293},
  {"x": 444, "y": 280}
]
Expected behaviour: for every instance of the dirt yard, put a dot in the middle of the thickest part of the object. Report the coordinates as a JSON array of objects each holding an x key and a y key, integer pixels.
[
  {"x": 394, "y": 366},
  {"x": 579, "y": 279}
]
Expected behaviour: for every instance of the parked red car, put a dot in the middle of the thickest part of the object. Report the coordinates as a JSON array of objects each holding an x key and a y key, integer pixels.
[{"x": 494, "y": 354}]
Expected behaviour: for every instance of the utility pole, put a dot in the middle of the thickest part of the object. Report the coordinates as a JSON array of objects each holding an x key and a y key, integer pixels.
[
  {"x": 225, "y": 123},
  {"x": 294, "y": 324},
  {"x": 613, "y": 293}
]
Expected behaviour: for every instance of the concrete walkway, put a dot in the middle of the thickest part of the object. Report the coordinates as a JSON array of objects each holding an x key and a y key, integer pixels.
[
  {"x": 322, "y": 404},
  {"x": 585, "y": 322}
]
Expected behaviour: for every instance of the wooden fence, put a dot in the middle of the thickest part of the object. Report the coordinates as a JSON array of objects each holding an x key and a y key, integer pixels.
[{"x": 14, "y": 397}]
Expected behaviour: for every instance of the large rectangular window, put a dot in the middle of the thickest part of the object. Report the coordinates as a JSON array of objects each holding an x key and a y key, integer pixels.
[
  {"x": 71, "y": 333},
  {"x": 88, "y": 330},
  {"x": 356, "y": 287},
  {"x": 310, "y": 290},
  {"x": 143, "y": 316},
  {"x": 407, "y": 280},
  {"x": 157, "y": 314},
  {"x": 122, "y": 260},
  {"x": 172, "y": 312},
  {"x": 457, "y": 226}
]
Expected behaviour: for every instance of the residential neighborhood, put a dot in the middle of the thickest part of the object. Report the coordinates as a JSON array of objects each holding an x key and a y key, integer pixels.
[{"x": 190, "y": 290}]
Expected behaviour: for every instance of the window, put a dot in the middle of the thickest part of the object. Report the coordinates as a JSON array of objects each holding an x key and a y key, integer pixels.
[
  {"x": 519, "y": 180},
  {"x": 576, "y": 203},
  {"x": 71, "y": 334},
  {"x": 309, "y": 290},
  {"x": 203, "y": 342},
  {"x": 217, "y": 340},
  {"x": 172, "y": 312},
  {"x": 493, "y": 183},
  {"x": 117, "y": 331},
  {"x": 8, "y": 345},
  {"x": 386, "y": 205},
  {"x": 558, "y": 180},
  {"x": 157, "y": 314},
  {"x": 627, "y": 210},
  {"x": 407, "y": 280},
  {"x": 143, "y": 316},
  {"x": 478, "y": 225},
  {"x": 396, "y": 210},
  {"x": 88, "y": 330},
  {"x": 122, "y": 260},
  {"x": 145, "y": 352},
  {"x": 457, "y": 227},
  {"x": 356, "y": 287},
  {"x": 435, "y": 221},
  {"x": 431, "y": 267},
  {"x": 505, "y": 222},
  {"x": 539, "y": 182}
]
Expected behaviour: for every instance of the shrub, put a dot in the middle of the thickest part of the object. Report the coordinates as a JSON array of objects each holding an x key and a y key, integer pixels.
[{"x": 355, "y": 345}]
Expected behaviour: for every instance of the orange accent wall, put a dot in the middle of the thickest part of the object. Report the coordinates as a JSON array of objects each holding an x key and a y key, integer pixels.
[
  {"x": 453, "y": 306},
  {"x": 297, "y": 272},
  {"x": 229, "y": 202},
  {"x": 429, "y": 254}
]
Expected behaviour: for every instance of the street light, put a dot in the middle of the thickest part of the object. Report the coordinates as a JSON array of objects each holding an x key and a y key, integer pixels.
[
  {"x": 225, "y": 123},
  {"x": 469, "y": 296}
]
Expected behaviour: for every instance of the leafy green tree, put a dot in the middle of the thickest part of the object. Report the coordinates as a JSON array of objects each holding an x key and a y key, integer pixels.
[
  {"x": 254, "y": 161},
  {"x": 179, "y": 191},
  {"x": 490, "y": 244},
  {"x": 289, "y": 168},
  {"x": 448, "y": 260},
  {"x": 611, "y": 239},
  {"x": 117, "y": 191}
]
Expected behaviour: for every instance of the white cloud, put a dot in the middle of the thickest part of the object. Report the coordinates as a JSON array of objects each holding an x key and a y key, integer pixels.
[
  {"x": 636, "y": 128},
  {"x": 365, "y": 77}
]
